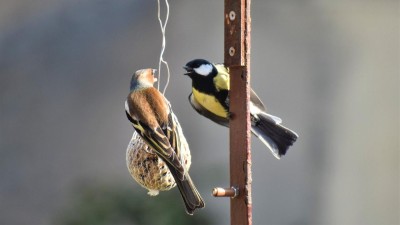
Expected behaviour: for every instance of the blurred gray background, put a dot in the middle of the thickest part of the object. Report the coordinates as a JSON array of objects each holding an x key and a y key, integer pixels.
[{"x": 329, "y": 69}]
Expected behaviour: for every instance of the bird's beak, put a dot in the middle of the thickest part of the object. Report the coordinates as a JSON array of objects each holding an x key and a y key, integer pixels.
[
  {"x": 154, "y": 75},
  {"x": 188, "y": 70}
]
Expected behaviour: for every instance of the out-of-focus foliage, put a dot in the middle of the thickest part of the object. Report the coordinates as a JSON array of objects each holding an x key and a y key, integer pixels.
[{"x": 111, "y": 205}]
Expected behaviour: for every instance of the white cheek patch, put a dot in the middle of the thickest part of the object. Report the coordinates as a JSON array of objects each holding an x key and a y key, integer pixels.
[{"x": 204, "y": 69}]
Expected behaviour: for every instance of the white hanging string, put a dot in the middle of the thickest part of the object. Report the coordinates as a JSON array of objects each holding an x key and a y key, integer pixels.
[{"x": 162, "y": 61}]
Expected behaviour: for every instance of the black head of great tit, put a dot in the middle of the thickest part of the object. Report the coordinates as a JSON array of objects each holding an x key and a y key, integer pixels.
[
  {"x": 210, "y": 98},
  {"x": 152, "y": 118}
]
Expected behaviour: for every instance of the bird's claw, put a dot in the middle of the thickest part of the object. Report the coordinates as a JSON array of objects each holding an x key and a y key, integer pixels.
[{"x": 230, "y": 115}]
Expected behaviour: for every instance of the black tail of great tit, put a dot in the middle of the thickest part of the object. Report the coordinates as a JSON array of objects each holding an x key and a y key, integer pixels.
[{"x": 277, "y": 137}]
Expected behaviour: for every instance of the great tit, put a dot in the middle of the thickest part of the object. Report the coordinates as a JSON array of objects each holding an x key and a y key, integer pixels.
[
  {"x": 210, "y": 98},
  {"x": 152, "y": 118}
]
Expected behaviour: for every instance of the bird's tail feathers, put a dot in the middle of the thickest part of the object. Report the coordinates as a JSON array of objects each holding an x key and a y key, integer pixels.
[
  {"x": 191, "y": 197},
  {"x": 275, "y": 136},
  {"x": 276, "y": 119}
]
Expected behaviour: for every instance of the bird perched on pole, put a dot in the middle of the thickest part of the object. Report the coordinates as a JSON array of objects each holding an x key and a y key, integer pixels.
[
  {"x": 152, "y": 118},
  {"x": 210, "y": 98}
]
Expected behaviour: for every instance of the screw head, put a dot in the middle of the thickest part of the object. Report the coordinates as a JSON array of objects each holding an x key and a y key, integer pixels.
[
  {"x": 231, "y": 51},
  {"x": 232, "y": 15}
]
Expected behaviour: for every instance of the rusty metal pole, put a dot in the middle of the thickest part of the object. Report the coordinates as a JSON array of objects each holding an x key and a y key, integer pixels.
[{"x": 237, "y": 58}]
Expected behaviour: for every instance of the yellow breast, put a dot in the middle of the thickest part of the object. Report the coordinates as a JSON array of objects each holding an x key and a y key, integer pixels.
[{"x": 210, "y": 103}]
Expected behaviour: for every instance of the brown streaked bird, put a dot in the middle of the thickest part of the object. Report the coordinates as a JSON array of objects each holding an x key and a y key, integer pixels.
[{"x": 152, "y": 118}]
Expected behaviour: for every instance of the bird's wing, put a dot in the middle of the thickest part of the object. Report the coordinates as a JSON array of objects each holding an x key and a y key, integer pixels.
[
  {"x": 257, "y": 101},
  {"x": 221, "y": 81},
  {"x": 204, "y": 112},
  {"x": 160, "y": 143},
  {"x": 176, "y": 138},
  {"x": 163, "y": 140},
  {"x": 171, "y": 131}
]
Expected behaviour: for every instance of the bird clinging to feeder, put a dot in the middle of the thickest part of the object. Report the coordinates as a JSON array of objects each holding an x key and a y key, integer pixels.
[
  {"x": 160, "y": 158},
  {"x": 210, "y": 98}
]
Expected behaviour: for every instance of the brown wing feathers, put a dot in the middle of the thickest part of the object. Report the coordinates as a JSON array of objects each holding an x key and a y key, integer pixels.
[{"x": 153, "y": 113}]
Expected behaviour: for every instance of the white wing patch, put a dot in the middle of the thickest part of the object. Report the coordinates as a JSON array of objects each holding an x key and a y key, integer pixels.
[
  {"x": 204, "y": 69},
  {"x": 127, "y": 110},
  {"x": 127, "y": 107}
]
